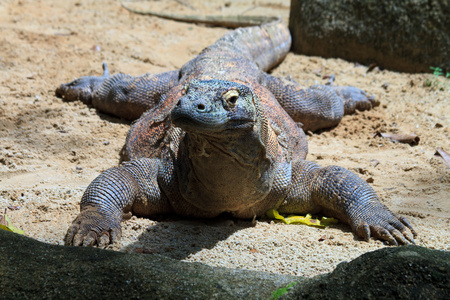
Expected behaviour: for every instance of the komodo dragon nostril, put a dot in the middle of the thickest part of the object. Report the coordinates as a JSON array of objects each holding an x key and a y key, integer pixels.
[{"x": 201, "y": 107}]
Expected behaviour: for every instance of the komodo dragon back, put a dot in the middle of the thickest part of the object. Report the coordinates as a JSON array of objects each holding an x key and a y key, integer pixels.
[{"x": 267, "y": 44}]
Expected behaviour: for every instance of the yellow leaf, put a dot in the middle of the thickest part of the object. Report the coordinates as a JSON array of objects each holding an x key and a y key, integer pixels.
[
  {"x": 306, "y": 220},
  {"x": 8, "y": 225}
]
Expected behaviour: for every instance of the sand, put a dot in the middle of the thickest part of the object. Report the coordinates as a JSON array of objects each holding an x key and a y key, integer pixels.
[{"x": 50, "y": 150}]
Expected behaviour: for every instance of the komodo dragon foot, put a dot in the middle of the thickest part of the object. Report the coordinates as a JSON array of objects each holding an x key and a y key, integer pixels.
[
  {"x": 83, "y": 88},
  {"x": 355, "y": 99}
]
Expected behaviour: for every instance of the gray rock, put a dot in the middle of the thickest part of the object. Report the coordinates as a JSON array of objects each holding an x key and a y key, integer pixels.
[
  {"x": 408, "y": 272},
  {"x": 31, "y": 269},
  {"x": 408, "y": 35},
  {"x": 35, "y": 270}
]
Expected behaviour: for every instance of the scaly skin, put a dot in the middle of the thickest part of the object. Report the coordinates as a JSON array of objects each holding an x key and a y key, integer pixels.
[{"x": 221, "y": 135}]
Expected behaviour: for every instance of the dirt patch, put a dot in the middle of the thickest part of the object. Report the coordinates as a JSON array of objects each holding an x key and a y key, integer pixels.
[{"x": 51, "y": 150}]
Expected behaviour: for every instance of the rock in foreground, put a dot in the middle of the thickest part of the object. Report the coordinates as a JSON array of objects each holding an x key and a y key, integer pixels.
[
  {"x": 408, "y": 272},
  {"x": 31, "y": 269},
  {"x": 35, "y": 270}
]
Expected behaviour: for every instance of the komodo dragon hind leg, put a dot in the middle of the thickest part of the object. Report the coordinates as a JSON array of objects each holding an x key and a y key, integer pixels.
[
  {"x": 355, "y": 99},
  {"x": 318, "y": 106}
]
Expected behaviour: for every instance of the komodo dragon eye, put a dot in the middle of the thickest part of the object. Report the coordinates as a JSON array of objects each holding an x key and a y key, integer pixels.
[{"x": 231, "y": 97}]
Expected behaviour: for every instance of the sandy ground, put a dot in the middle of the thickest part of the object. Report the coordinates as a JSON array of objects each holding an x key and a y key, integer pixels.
[{"x": 50, "y": 150}]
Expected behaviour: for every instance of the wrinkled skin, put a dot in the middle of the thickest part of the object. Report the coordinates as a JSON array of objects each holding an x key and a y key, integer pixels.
[{"x": 221, "y": 135}]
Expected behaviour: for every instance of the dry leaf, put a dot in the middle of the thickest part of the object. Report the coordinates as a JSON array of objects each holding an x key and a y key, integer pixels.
[
  {"x": 444, "y": 155},
  {"x": 411, "y": 139},
  {"x": 374, "y": 162},
  {"x": 371, "y": 67},
  {"x": 306, "y": 220},
  {"x": 5, "y": 224}
]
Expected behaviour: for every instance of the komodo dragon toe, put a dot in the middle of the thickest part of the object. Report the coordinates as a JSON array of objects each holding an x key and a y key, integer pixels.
[{"x": 91, "y": 227}]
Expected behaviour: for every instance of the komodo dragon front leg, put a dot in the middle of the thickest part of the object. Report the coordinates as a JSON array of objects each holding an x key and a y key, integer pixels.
[
  {"x": 114, "y": 196},
  {"x": 337, "y": 192}
]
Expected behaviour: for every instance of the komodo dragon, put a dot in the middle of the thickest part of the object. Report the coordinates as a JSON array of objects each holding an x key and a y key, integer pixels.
[{"x": 221, "y": 135}]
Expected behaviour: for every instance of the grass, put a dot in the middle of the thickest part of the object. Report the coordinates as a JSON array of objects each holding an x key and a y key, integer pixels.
[
  {"x": 281, "y": 291},
  {"x": 435, "y": 81}
]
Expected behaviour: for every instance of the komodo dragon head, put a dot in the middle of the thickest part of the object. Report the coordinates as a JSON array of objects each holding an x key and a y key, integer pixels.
[
  {"x": 228, "y": 166},
  {"x": 215, "y": 107}
]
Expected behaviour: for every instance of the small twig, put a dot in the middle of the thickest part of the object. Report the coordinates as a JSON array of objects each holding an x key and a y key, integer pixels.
[{"x": 233, "y": 21}]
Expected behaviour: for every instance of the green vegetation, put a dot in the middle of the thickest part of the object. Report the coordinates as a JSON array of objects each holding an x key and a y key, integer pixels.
[
  {"x": 435, "y": 82},
  {"x": 281, "y": 291}
]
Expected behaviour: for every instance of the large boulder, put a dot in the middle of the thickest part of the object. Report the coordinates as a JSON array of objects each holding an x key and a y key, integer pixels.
[
  {"x": 35, "y": 270},
  {"x": 408, "y": 35},
  {"x": 31, "y": 269},
  {"x": 408, "y": 272}
]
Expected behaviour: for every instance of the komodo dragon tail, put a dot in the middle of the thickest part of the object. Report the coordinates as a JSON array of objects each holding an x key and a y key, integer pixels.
[
  {"x": 267, "y": 40},
  {"x": 221, "y": 21}
]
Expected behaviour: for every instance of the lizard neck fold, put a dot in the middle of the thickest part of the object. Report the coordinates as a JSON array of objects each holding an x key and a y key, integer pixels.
[{"x": 225, "y": 174}]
